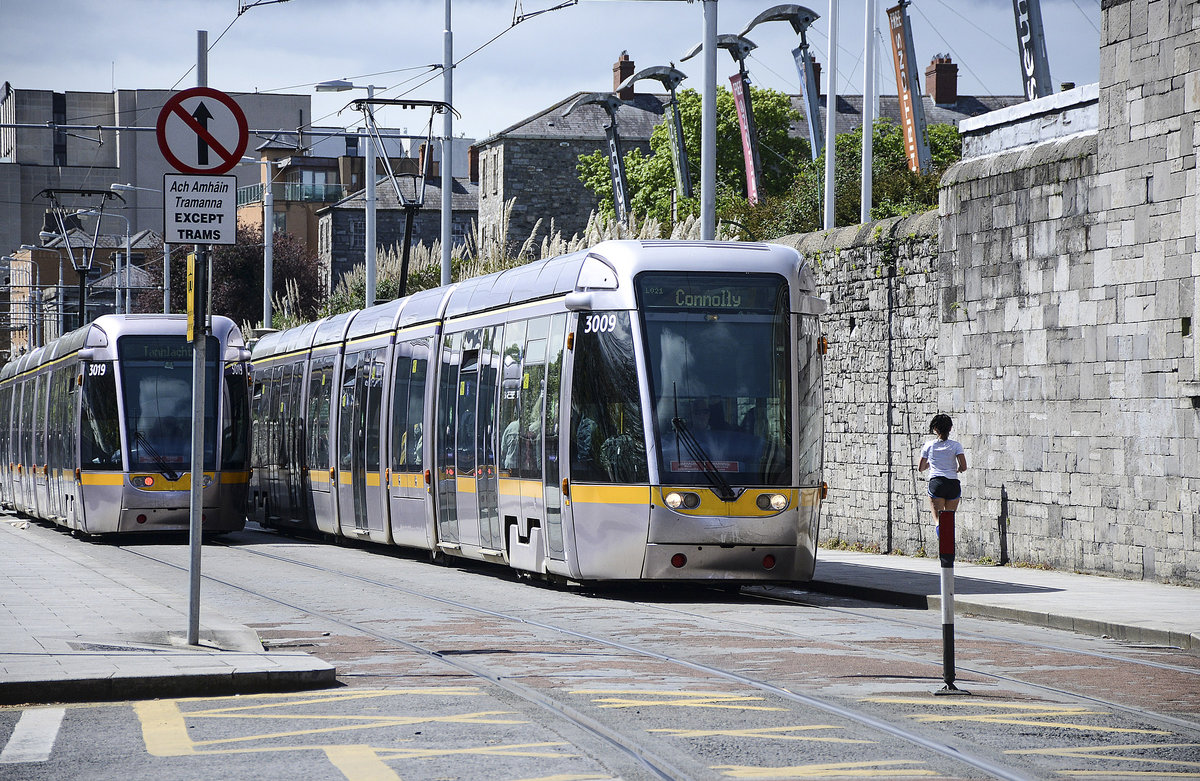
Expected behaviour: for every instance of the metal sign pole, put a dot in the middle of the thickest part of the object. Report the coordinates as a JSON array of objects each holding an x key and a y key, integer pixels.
[{"x": 197, "y": 333}]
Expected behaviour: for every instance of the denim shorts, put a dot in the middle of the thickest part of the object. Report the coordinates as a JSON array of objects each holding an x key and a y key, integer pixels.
[{"x": 945, "y": 488}]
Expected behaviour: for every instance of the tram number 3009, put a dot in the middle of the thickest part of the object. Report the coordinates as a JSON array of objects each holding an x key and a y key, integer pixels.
[{"x": 599, "y": 324}]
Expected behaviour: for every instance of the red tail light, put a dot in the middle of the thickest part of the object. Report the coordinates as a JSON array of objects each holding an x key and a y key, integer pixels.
[{"x": 678, "y": 560}]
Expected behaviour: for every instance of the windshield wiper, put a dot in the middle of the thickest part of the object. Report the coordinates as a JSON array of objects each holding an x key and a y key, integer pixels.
[
  {"x": 698, "y": 454},
  {"x": 164, "y": 468}
]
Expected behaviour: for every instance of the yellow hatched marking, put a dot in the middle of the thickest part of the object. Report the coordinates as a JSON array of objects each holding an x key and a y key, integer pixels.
[
  {"x": 881, "y": 769},
  {"x": 770, "y": 733},
  {"x": 360, "y": 763},
  {"x": 1109, "y": 753},
  {"x": 165, "y": 731},
  {"x": 1014, "y": 713},
  {"x": 637, "y": 699}
]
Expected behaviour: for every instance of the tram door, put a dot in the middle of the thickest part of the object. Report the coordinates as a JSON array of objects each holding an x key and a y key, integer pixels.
[
  {"x": 466, "y": 479},
  {"x": 294, "y": 434},
  {"x": 319, "y": 414},
  {"x": 446, "y": 443},
  {"x": 360, "y": 402},
  {"x": 552, "y": 469},
  {"x": 409, "y": 498},
  {"x": 38, "y": 460},
  {"x": 491, "y": 536},
  {"x": 530, "y": 453}
]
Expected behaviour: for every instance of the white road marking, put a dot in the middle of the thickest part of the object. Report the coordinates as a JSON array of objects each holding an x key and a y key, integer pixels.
[{"x": 33, "y": 739}]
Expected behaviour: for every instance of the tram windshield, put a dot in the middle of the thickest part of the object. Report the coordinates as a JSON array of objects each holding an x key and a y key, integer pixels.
[
  {"x": 157, "y": 393},
  {"x": 718, "y": 348}
]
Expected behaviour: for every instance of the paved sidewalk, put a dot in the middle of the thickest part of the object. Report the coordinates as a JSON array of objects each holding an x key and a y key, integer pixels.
[
  {"x": 72, "y": 629},
  {"x": 1131, "y": 610}
]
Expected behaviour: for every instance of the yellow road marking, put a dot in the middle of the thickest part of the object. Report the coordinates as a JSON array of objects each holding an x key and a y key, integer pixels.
[
  {"x": 639, "y": 698},
  {"x": 570, "y": 777},
  {"x": 1107, "y": 753},
  {"x": 1017, "y": 714},
  {"x": 883, "y": 769},
  {"x": 360, "y": 763},
  {"x": 397, "y": 721},
  {"x": 775, "y": 733}
]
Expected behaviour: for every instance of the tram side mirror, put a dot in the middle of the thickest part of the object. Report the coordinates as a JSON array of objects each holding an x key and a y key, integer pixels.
[
  {"x": 579, "y": 302},
  {"x": 86, "y": 353}
]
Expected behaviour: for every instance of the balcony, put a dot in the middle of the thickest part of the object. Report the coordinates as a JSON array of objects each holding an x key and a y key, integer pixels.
[{"x": 291, "y": 191}]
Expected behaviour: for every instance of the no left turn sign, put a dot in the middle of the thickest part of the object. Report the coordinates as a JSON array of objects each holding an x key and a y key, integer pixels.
[{"x": 202, "y": 131}]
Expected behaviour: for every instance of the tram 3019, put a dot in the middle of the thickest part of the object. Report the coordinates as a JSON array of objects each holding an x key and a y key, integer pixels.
[
  {"x": 643, "y": 410},
  {"x": 95, "y": 427}
]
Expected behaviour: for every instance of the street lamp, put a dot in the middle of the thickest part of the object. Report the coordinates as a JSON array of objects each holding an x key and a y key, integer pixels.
[
  {"x": 124, "y": 188},
  {"x": 116, "y": 267},
  {"x": 82, "y": 269},
  {"x": 340, "y": 85}
]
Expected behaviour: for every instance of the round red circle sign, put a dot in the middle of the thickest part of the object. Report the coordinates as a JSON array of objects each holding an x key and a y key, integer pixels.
[{"x": 202, "y": 131}]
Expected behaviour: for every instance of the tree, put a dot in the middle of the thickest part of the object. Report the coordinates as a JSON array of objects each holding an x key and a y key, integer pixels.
[
  {"x": 651, "y": 179},
  {"x": 237, "y": 277},
  {"x": 895, "y": 190}
]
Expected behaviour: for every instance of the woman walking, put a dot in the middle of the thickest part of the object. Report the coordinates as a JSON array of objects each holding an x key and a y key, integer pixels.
[{"x": 946, "y": 458}]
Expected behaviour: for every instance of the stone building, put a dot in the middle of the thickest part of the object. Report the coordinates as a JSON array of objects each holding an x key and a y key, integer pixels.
[
  {"x": 1049, "y": 307},
  {"x": 341, "y": 226}
]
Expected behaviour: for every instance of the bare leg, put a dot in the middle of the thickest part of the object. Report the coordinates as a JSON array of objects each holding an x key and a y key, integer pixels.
[{"x": 936, "y": 505}]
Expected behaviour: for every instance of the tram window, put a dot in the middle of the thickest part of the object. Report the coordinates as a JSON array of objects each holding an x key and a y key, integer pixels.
[
  {"x": 416, "y": 407},
  {"x": 533, "y": 409},
  {"x": 400, "y": 392},
  {"x": 809, "y": 389},
  {"x": 608, "y": 441},
  {"x": 320, "y": 394},
  {"x": 718, "y": 358},
  {"x": 100, "y": 432},
  {"x": 235, "y": 429},
  {"x": 510, "y": 402},
  {"x": 39, "y": 418},
  {"x": 447, "y": 390},
  {"x": 468, "y": 389},
  {"x": 347, "y": 412}
]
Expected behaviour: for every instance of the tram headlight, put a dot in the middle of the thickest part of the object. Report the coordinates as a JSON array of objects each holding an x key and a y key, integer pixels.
[
  {"x": 674, "y": 500},
  {"x": 774, "y": 502},
  {"x": 685, "y": 499}
]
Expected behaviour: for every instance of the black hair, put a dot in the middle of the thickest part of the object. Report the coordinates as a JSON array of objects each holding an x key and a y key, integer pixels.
[{"x": 941, "y": 425}]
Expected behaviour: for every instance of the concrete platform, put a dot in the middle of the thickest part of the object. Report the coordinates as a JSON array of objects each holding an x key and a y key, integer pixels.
[{"x": 74, "y": 630}]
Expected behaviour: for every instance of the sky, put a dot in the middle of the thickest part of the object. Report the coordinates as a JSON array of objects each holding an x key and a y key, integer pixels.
[{"x": 504, "y": 72}]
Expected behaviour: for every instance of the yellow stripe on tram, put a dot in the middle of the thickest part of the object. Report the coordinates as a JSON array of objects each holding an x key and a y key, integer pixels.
[{"x": 610, "y": 494}]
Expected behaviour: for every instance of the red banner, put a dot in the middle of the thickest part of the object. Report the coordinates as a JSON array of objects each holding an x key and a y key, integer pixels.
[{"x": 742, "y": 101}]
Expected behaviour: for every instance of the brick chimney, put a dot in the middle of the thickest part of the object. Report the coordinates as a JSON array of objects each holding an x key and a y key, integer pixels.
[
  {"x": 473, "y": 163},
  {"x": 623, "y": 69},
  {"x": 941, "y": 81}
]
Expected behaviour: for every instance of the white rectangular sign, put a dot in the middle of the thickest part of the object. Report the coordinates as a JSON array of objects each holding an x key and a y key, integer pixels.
[{"x": 199, "y": 209}]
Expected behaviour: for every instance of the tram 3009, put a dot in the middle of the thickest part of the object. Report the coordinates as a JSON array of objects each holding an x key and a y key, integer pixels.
[
  {"x": 643, "y": 410},
  {"x": 95, "y": 427}
]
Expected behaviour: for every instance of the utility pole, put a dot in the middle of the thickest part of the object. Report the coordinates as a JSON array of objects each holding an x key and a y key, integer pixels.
[{"x": 447, "y": 148}]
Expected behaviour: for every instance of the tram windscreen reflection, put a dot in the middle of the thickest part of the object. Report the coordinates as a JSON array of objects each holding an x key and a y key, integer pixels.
[
  {"x": 157, "y": 392},
  {"x": 718, "y": 350}
]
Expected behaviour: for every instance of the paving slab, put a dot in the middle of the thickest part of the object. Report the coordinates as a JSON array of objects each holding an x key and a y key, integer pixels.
[{"x": 72, "y": 629}]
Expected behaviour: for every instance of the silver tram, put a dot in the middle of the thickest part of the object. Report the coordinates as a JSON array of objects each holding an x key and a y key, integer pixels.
[
  {"x": 95, "y": 427},
  {"x": 644, "y": 410}
]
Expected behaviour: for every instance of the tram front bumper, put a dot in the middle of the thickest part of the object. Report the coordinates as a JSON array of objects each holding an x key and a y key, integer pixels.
[{"x": 764, "y": 563}]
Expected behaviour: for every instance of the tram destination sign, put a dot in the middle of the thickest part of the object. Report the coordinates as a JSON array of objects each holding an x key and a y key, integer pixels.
[{"x": 199, "y": 209}]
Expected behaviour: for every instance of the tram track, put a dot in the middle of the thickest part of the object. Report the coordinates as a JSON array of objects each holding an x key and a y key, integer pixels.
[
  {"x": 1187, "y": 725},
  {"x": 655, "y": 765}
]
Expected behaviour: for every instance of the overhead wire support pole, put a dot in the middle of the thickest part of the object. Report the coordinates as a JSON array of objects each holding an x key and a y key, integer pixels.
[
  {"x": 831, "y": 118},
  {"x": 708, "y": 127},
  {"x": 868, "y": 142},
  {"x": 447, "y": 147}
]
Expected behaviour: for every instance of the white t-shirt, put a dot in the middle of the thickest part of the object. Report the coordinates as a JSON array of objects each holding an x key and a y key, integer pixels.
[{"x": 942, "y": 456}]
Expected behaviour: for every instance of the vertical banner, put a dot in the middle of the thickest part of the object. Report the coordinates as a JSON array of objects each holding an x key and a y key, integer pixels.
[
  {"x": 616, "y": 167},
  {"x": 908, "y": 87},
  {"x": 810, "y": 96},
  {"x": 745, "y": 115},
  {"x": 683, "y": 177},
  {"x": 1031, "y": 45}
]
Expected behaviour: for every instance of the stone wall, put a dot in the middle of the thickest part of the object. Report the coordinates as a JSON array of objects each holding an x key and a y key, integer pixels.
[
  {"x": 882, "y": 325},
  {"x": 1051, "y": 311}
]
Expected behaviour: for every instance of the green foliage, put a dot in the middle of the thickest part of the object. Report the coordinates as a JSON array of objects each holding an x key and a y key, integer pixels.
[
  {"x": 237, "y": 278},
  {"x": 651, "y": 178},
  {"x": 896, "y": 191}
]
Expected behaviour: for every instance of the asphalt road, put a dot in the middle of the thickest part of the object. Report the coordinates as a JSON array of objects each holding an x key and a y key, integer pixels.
[{"x": 452, "y": 672}]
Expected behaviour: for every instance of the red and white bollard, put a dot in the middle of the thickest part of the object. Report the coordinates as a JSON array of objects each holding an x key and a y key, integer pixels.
[{"x": 946, "y": 556}]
